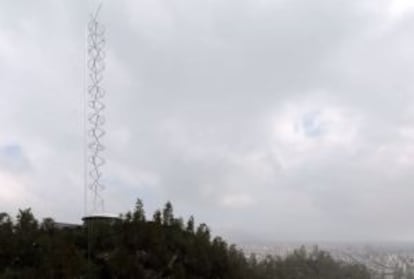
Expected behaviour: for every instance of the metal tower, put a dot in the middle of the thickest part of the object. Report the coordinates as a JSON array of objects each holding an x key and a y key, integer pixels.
[{"x": 94, "y": 114}]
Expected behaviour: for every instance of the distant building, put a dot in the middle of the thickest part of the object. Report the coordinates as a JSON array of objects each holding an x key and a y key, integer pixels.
[
  {"x": 60, "y": 225},
  {"x": 106, "y": 218}
]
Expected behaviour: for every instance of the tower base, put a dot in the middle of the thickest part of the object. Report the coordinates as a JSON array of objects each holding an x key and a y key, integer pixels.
[{"x": 100, "y": 218}]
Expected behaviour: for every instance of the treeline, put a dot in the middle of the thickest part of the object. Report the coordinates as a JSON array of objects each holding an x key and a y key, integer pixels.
[{"x": 133, "y": 247}]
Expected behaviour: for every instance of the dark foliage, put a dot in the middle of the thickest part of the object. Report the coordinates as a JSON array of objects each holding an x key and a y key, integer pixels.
[{"x": 132, "y": 247}]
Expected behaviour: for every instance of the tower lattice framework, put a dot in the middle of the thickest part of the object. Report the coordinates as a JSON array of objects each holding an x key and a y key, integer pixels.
[{"x": 95, "y": 111}]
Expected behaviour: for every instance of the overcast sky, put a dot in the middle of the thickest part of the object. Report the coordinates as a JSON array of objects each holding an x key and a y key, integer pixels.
[{"x": 269, "y": 120}]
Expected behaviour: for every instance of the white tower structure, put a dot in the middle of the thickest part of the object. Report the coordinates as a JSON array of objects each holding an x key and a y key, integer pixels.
[{"x": 95, "y": 120}]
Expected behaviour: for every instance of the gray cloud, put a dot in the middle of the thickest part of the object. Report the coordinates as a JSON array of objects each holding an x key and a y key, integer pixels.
[{"x": 277, "y": 120}]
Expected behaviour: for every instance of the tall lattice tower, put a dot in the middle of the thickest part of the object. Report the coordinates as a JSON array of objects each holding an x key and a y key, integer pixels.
[{"x": 95, "y": 120}]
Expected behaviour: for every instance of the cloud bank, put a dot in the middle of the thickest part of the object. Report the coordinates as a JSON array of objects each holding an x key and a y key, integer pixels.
[{"x": 269, "y": 120}]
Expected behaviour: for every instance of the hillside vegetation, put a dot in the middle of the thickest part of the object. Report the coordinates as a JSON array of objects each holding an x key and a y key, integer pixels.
[{"x": 133, "y": 247}]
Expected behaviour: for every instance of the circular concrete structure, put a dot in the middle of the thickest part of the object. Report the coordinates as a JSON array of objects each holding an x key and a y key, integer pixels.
[{"x": 100, "y": 218}]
